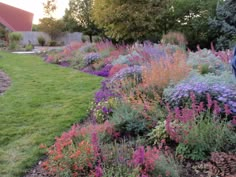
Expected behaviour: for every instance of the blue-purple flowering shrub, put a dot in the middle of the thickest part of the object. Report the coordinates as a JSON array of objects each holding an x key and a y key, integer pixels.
[
  {"x": 91, "y": 58},
  {"x": 133, "y": 72},
  {"x": 221, "y": 88}
]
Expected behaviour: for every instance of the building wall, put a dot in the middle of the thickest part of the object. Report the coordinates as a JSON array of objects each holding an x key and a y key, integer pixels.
[{"x": 32, "y": 37}]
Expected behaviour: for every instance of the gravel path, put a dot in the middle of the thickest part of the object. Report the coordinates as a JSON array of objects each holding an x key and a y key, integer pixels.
[{"x": 5, "y": 82}]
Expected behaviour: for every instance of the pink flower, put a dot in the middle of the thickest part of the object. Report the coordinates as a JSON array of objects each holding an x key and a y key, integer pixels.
[
  {"x": 209, "y": 101},
  {"x": 227, "y": 109}
]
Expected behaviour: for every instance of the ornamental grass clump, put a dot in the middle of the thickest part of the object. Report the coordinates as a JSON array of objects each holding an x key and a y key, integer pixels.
[{"x": 165, "y": 71}]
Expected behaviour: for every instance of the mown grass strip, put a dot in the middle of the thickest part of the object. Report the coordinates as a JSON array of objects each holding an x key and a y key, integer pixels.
[{"x": 43, "y": 101}]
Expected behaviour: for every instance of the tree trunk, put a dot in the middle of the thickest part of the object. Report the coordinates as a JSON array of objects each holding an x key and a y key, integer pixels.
[{"x": 91, "y": 38}]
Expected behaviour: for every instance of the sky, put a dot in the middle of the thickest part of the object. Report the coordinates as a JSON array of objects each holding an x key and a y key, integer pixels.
[{"x": 36, "y": 7}]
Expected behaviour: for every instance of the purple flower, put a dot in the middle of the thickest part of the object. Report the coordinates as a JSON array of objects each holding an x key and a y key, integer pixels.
[
  {"x": 139, "y": 156},
  {"x": 126, "y": 72},
  {"x": 105, "y": 93},
  {"x": 104, "y": 72},
  {"x": 91, "y": 58}
]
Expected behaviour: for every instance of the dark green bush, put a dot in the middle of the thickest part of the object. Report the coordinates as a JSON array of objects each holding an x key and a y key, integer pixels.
[
  {"x": 129, "y": 121},
  {"x": 52, "y": 43},
  {"x": 41, "y": 40},
  {"x": 14, "y": 39}
]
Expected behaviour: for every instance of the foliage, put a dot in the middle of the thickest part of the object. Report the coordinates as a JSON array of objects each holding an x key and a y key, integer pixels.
[
  {"x": 205, "y": 136},
  {"x": 81, "y": 11},
  {"x": 144, "y": 15},
  {"x": 51, "y": 26},
  {"x": 206, "y": 58},
  {"x": 41, "y": 40},
  {"x": 49, "y": 7},
  {"x": 129, "y": 121},
  {"x": 76, "y": 152},
  {"x": 158, "y": 133},
  {"x": 70, "y": 24},
  {"x": 29, "y": 47},
  {"x": 152, "y": 162},
  {"x": 174, "y": 38},
  {"x": 14, "y": 39},
  {"x": 191, "y": 18},
  {"x": 14, "y": 36},
  {"x": 199, "y": 132},
  {"x": 166, "y": 166},
  {"x": 52, "y": 43},
  {"x": 224, "y": 24}
]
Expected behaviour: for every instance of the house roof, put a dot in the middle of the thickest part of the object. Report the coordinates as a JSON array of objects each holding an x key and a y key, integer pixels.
[{"x": 15, "y": 19}]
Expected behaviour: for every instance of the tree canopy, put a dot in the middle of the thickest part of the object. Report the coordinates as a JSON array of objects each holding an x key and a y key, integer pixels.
[{"x": 224, "y": 24}]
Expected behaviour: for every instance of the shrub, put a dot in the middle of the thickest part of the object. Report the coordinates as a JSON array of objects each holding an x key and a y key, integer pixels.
[
  {"x": 133, "y": 72},
  {"x": 122, "y": 59},
  {"x": 76, "y": 152},
  {"x": 14, "y": 36},
  {"x": 3, "y": 43},
  {"x": 52, "y": 43},
  {"x": 88, "y": 48},
  {"x": 14, "y": 39},
  {"x": 205, "y": 136},
  {"x": 199, "y": 132},
  {"x": 91, "y": 58},
  {"x": 220, "y": 88},
  {"x": 77, "y": 60},
  {"x": 206, "y": 58},
  {"x": 85, "y": 38},
  {"x": 175, "y": 38},
  {"x": 158, "y": 133},
  {"x": 152, "y": 162},
  {"x": 128, "y": 121},
  {"x": 41, "y": 40},
  {"x": 29, "y": 47}
]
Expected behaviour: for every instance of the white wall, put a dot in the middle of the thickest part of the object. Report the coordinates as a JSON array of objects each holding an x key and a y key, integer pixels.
[{"x": 32, "y": 37}]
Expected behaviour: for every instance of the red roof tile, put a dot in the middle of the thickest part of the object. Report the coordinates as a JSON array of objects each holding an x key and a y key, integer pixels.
[{"x": 15, "y": 19}]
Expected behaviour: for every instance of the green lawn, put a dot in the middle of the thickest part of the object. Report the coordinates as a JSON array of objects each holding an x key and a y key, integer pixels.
[{"x": 43, "y": 101}]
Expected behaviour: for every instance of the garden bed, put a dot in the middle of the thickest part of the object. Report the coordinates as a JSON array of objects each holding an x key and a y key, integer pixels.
[{"x": 161, "y": 111}]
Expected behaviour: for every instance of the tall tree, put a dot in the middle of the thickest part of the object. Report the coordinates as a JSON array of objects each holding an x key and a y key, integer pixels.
[
  {"x": 191, "y": 18},
  {"x": 70, "y": 23},
  {"x": 81, "y": 11},
  {"x": 49, "y": 7},
  {"x": 130, "y": 20},
  {"x": 224, "y": 24},
  {"x": 50, "y": 24}
]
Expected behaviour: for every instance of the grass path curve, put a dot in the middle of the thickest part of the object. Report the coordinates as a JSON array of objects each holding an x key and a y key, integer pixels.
[{"x": 43, "y": 101}]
